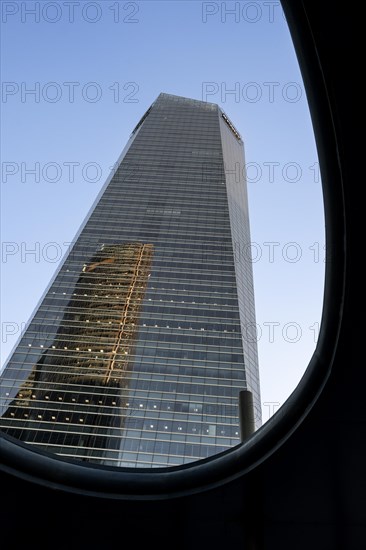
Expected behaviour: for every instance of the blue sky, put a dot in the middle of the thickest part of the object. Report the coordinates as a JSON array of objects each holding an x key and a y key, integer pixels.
[{"x": 94, "y": 68}]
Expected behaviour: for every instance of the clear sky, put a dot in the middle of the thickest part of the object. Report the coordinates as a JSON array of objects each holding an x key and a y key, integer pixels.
[{"x": 94, "y": 68}]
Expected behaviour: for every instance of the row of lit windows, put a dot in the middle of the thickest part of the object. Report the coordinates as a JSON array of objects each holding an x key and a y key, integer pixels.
[
  {"x": 19, "y": 415},
  {"x": 138, "y": 399},
  {"x": 70, "y": 422},
  {"x": 77, "y": 423},
  {"x": 93, "y": 306},
  {"x": 106, "y": 334},
  {"x": 82, "y": 362},
  {"x": 146, "y": 354},
  {"x": 158, "y": 322},
  {"x": 204, "y": 375},
  {"x": 95, "y": 313},
  {"x": 108, "y": 338},
  {"x": 156, "y": 294},
  {"x": 103, "y": 307},
  {"x": 203, "y": 433},
  {"x": 150, "y": 321},
  {"x": 69, "y": 402},
  {"x": 210, "y": 387},
  {"x": 102, "y": 398},
  {"x": 156, "y": 297},
  {"x": 91, "y": 295},
  {"x": 45, "y": 325},
  {"x": 87, "y": 301},
  {"x": 93, "y": 309},
  {"x": 67, "y": 277},
  {"x": 102, "y": 329},
  {"x": 144, "y": 362}
]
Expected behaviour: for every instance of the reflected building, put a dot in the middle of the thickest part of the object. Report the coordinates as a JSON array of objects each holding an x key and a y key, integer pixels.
[
  {"x": 140, "y": 346},
  {"x": 75, "y": 396}
]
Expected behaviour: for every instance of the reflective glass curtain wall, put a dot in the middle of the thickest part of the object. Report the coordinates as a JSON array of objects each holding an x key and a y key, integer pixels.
[{"x": 137, "y": 352}]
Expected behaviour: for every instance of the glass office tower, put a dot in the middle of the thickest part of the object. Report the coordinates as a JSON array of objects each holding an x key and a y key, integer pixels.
[{"x": 140, "y": 346}]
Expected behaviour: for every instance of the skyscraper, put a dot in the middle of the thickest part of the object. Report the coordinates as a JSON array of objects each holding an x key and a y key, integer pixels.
[{"x": 141, "y": 344}]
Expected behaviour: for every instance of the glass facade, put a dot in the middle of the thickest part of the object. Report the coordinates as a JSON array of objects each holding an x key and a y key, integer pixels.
[{"x": 140, "y": 346}]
